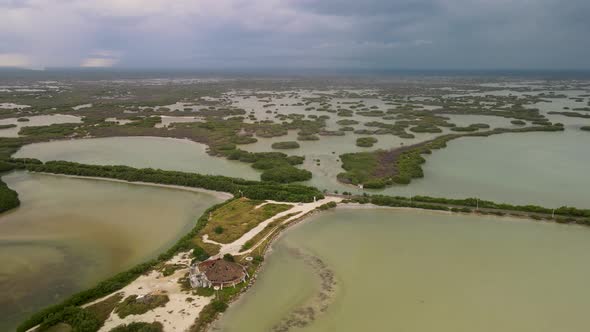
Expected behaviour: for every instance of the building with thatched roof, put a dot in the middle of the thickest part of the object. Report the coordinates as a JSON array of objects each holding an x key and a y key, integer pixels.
[{"x": 217, "y": 272}]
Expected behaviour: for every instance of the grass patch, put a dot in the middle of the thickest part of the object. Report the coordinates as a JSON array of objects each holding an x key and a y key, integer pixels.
[
  {"x": 133, "y": 305},
  {"x": 202, "y": 291},
  {"x": 103, "y": 309},
  {"x": 210, "y": 248},
  {"x": 238, "y": 217},
  {"x": 139, "y": 327},
  {"x": 169, "y": 269},
  {"x": 61, "y": 327},
  {"x": 220, "y": 304},
  {"x": 267, "y": 230}
]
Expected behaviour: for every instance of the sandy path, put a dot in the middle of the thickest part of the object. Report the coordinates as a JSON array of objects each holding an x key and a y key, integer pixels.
[
  {"x": 206, "y": 240},
  {"x": 183, "y": 307},
  {"x": 177, "y": 315},
  {"x": 299, "y": 210}
]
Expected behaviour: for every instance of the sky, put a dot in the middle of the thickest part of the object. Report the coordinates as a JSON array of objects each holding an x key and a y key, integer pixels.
[{"x": 211, "y": 34}]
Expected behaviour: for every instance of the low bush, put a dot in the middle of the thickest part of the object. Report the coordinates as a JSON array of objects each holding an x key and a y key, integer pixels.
[
  {"x": 366, "y": 142},
  {"x": 285, "y": 174},
  {"x": 139, "y": 327},
  {"x": 133, "y": 305},
  {"x": 285, "y": 145}
]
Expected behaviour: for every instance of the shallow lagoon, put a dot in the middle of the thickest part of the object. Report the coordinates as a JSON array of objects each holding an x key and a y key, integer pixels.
[
  {"x": 419, "y": 271},
  {"x": 154, "y": 152},
  {"x": 548, "y": 169},
  {"x": 37, "y": 120},
  {"x": 69, "y": 234}
]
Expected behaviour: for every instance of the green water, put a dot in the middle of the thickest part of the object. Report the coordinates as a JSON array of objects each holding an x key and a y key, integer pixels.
[
  {"x": 154, "y": 152},
  {"x": 69, "y": 234},
  {"x": 548, "y": 169},
  {"x": 418, "y": 271}
]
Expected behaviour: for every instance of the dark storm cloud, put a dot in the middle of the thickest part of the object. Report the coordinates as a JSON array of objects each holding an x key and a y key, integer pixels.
[
  {"x": 368, "y": 7},
  {"x": 297, "y": 33}
]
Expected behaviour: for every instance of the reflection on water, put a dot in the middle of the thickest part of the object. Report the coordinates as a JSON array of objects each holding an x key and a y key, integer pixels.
[
  {"x": 69, "y": 234},
  {"x": 421, "y": 271}
]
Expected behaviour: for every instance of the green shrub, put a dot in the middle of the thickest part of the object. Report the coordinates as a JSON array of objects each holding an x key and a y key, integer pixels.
[
  {"x": 139, "y": 327},
  {"x": 285, "y": 174},
  {"x": 347, "y": 122},
  {"x": 327, "y": 206},
  {"x": 200, "y": 253},
  {"x": 366, "y": 141},
  {"x": 285, "y": 145},
  {"x": 8, "y": 197},
  {"x": 79, "y": 319},
  {"x": 5, "y": 166},
  {"x": 132, "y": 305},
  {"x": 238, "y": 187}
]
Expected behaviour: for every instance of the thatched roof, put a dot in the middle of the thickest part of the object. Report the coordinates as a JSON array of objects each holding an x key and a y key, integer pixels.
[{"x": 220, "y": 271}]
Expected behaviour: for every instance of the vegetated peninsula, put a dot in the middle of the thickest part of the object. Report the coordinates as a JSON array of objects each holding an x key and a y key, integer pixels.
[
  {"x": 235, "y": 233},
  {"x": 243, "y": 121},
  {"x": 382, "y": 168}
]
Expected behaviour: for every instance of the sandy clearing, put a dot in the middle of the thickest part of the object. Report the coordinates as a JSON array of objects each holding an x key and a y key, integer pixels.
[{"x": 177, "y": 315}]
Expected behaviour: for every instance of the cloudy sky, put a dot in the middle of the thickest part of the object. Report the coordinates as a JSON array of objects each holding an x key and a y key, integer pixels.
[{"x": 396, "y": 34}]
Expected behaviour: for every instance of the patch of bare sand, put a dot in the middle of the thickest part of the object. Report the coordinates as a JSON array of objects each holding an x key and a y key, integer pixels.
[{"x": 178, "y": 314}]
